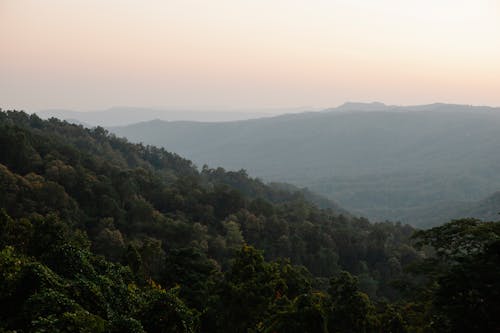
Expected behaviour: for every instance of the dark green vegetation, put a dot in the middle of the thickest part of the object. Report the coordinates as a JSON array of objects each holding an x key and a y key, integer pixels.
[
  {"x": 100, "y": 235},
  {"x": 421, "y": 167}
]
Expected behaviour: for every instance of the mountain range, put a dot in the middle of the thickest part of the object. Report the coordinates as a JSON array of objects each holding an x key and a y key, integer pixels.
[
  {"x": 121, "y": 116},
  {"x": 416, "y": 164}
]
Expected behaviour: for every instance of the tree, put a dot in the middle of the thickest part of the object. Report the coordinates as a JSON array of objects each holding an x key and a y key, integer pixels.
[
  {"x": 305, "y": 314},
  {"x": 193, "y": 272},
  {"x": 153, "y": 258},
  {"x": 247, "y": 291},
  {"x": 110, "y": 243},
  {"x": 465, "y": 275},
  {"x": 350, "y": 310},
  {"x": 165, "y": 312}
]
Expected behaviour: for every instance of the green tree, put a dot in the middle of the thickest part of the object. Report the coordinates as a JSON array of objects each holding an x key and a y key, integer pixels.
[
  {"x": 165, "y": 312},
  {"x": 464, "y": 275},
  {"x": 193, "y": 272},
  {"x": 350, "y": 310},
  {"x": 305, "y": 314},
  {"x": 247, "y": 292}
]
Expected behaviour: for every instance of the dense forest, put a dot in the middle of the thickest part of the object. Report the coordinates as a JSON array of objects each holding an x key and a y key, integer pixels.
[{"x": 101, "y": 235}]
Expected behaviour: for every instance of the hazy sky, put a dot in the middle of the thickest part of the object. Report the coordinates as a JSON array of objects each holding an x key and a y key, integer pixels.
[{"x": 93, "y": 54}]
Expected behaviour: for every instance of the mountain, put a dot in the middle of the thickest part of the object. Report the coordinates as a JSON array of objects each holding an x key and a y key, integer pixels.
[
  {"x": 487, "y": 209},
  {"x": 101, "y": 235},
  {"x": 97, "y": 182},
  {"x": 356, "y": 106},
  {"x": 383, "y": 162},
  {"x": 120, "y": 116}
]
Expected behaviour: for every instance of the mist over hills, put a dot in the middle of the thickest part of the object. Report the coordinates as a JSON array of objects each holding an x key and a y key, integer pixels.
[
  {"x": 121, "y": 116},
  {"x": 380, "y": 161}
]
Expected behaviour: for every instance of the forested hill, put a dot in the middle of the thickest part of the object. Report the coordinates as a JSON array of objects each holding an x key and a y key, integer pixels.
[
  {"x": 101, "y": 235},
  {"x": 382, "y": 162},
  {"x": 109, "y": 187}
]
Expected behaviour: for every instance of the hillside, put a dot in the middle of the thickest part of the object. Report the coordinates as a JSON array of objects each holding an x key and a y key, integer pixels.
[
  {"x": 99, "y": 232},
  {"x": 383, "y": 162},
  {"x": 486, "y": 209},
  {"x": 101, "y": 235}
]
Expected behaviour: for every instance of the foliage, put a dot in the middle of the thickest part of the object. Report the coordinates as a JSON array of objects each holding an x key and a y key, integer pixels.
[
  {"x": 101, "y": 235},
  {"x": 464, "y": 275}
]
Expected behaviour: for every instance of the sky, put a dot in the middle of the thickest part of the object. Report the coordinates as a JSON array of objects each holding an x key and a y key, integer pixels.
[{"x": 247, "y": 54}]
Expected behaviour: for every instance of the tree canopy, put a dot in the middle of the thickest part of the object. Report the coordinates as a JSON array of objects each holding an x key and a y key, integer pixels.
[{"x": 101, "y": 235}]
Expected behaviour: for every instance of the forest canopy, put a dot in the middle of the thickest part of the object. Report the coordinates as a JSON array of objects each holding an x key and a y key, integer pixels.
[{"x": 101, "y": 235}]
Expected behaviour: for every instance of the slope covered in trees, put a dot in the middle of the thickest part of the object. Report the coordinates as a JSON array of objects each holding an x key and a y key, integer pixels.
[
  {"x": 382, "y": 162},
  {"x": 100, "y": 235}
]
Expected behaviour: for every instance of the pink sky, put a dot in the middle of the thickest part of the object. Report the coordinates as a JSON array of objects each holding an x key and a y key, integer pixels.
[{"x": 95, "y": 54}]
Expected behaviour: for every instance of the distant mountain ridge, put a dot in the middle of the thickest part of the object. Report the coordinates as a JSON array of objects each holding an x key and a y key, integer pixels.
[
  {"x": 487, "y": 209},
  {"x": 383, "y": 162},
  {"x": 121, "y": 116},
  {"x": 378, "y": 106}
]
